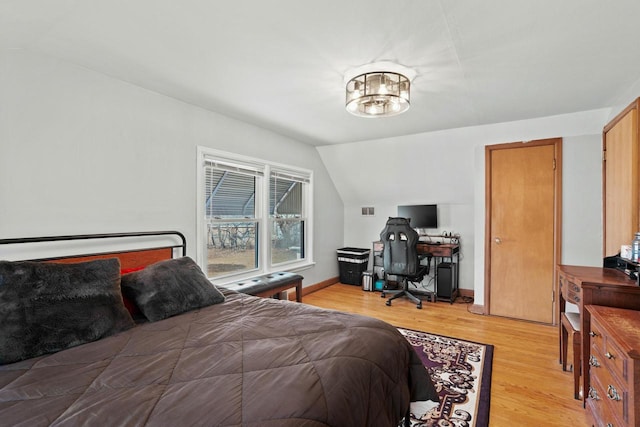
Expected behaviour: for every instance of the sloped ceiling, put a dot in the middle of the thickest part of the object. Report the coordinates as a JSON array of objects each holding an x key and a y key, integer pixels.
[{"x": 280, "y": 64}]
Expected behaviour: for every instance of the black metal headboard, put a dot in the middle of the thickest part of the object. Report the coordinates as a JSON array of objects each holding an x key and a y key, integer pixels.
[{"x": 179, "y": 242}]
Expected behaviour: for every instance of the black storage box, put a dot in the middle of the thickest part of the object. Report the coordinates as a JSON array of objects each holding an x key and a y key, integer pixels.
[{"x": 352, "y": 262}]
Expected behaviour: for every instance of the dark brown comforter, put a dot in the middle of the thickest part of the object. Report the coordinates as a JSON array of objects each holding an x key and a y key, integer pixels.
[{"x": 248, "y": 361}]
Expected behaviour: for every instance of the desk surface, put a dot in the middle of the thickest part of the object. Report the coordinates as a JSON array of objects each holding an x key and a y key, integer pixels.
[
  {"x": 438, "y": 245},
  {"x": 426, "y": 247},
  {"x": 597, "y": 275}
]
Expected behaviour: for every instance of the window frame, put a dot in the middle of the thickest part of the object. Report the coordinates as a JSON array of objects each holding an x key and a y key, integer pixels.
[{"x": 263, "y": 217}]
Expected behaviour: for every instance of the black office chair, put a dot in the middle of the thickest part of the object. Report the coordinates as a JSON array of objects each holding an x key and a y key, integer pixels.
[{"x": 400, "y": 258}]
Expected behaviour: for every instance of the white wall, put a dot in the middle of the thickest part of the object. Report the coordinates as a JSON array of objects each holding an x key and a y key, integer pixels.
[
  {"x": 582, "y": 201},
  {"x": 81, "y": 152},
  {"x": 447, "y": 168}
]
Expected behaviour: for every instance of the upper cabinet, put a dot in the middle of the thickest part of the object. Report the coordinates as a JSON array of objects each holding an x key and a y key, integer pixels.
[{"x": 621, "y": 179}]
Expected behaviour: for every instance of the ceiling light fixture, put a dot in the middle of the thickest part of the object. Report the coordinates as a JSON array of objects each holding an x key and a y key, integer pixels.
[{"x": 375, "y": 93}]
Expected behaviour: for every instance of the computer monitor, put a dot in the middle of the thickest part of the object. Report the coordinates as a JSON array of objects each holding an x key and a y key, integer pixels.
[{"x": 421, "y": 216}]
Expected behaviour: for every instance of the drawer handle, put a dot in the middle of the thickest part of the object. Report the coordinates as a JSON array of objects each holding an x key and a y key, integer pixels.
[
  {"x": 593, "y": 361},
  {"x": 576, "y": 298},
  {"x": 609, "y": 425},
  {"x": 592, "y": 334},
  {"x": 612, "y": 393},
  {"x": 593, "y": 394},
  {"x": 609, "y": 355}
]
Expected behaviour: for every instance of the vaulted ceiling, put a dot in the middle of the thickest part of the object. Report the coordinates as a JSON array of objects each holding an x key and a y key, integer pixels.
[{"x": 280, "y": 64}]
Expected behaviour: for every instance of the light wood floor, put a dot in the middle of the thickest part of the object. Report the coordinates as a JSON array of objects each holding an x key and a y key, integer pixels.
[{"x": 528, "y": 386}]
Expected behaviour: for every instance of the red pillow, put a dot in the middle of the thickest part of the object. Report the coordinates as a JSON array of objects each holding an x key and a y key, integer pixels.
[{"x": 131, "y": 270}]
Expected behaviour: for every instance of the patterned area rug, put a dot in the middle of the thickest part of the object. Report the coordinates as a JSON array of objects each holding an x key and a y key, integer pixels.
[{"x": 461, "y": 372}]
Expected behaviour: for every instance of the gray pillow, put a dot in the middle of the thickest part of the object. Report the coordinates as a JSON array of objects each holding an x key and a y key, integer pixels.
[
  {"x": 47, "y": 307},
  {"x": 170, "y": 287}
]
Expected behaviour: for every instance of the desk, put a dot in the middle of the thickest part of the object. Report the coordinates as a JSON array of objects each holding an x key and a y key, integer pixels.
[
  {"x": 446, "y": 252},
  {"x": 593, "y": 286}
]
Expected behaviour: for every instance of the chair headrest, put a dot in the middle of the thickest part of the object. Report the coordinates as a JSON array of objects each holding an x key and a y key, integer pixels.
[
  {"x": 401, "y": 226},
  {"x": 398, "y": 221}
]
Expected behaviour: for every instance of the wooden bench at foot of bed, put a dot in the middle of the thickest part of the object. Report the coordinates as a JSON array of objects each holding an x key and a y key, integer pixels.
[{"x": 269, "y": 285}]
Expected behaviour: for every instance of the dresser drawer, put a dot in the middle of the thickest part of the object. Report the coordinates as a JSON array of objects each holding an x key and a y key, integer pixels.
[
  {"x": 608, "y": 390},
  {"x": 602, "y": 411},
  {"x": 615, "y": 360},
  {"x": 597, "y": 337}
]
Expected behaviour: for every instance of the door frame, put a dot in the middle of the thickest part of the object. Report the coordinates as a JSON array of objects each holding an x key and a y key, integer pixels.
[{"x": 557, "y": 215}]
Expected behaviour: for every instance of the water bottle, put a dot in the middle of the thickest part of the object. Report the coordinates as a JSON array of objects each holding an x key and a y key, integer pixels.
[{"x": 635, "y": 248}]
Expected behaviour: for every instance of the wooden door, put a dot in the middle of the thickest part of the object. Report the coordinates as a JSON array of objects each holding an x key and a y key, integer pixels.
[
  {"x": 620, "y": 179},
  {"x": 522, "y": 221}
]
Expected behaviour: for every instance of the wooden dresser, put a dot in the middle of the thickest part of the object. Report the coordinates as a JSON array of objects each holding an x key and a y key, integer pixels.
[
  {"x": 614, "y": 367},
  {"x": 584, "y": 286}
]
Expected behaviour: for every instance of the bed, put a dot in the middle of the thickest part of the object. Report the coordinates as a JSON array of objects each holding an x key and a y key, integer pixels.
[{"x": 117, "y": 338}]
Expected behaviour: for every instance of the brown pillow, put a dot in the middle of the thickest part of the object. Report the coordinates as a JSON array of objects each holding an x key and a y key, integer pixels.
[
  {"x": 47, "y": 307},
  {"x": 170, "y": 287}
]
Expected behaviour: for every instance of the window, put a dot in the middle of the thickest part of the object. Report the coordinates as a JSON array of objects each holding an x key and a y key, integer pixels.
[
  {"x": 286, "y": 192},
  {"x": 254, "y": 215},
  {"x": 232, "y": 224}
]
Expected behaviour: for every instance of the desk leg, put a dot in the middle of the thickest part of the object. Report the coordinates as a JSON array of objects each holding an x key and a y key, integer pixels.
[
  {"x": 561, "y": 308},
  {"x": 435, "y": 275},
  {"x": 455, "y": 285},
  {"x": 457, "y": 273}
]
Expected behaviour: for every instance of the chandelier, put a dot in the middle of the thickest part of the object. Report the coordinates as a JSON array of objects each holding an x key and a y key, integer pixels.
[
  {"x": 378, "y": 89},
  {"x": 378, "y": 94}
]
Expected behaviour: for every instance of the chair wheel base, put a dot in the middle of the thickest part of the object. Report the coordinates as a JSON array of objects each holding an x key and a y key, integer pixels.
[
  {"x": 419, "y": 306},
  {"x": 388, "y": 303}
]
